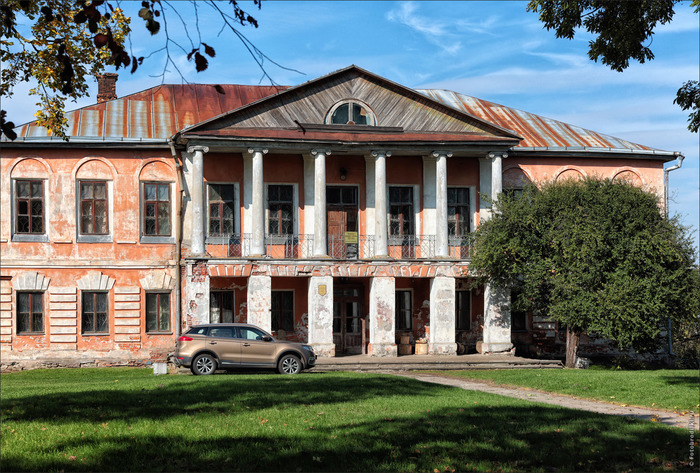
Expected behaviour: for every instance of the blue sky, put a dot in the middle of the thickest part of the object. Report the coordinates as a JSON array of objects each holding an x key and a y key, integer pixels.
[{"x": 494, "y": 50}]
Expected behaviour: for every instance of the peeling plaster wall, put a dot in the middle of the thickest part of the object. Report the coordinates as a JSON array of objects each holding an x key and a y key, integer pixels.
[
  {"x": 442, "y": 311},
  {"x": 381, "y": 317},
  {"x": 320, "y": 296}
]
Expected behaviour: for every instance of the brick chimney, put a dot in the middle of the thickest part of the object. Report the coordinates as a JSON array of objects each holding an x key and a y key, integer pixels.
[{"x": 106, "y": 86}]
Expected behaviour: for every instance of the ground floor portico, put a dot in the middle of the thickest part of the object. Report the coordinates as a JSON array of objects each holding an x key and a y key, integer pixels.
[{"x": 351, "y": 307}]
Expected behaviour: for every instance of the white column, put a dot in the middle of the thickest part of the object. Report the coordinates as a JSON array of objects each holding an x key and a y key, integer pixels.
[
  {"x": 497, "y": 330},
  {"x": 320, "y": 227},
  {"x": 441, "y": 237},
  {"x": 197, "y": 287},
  {"x": 309, "y": 210},
  {"x": 442, "y": 316},
  {"x": 382, "y": 302},
  {"x": 381, "y": 230},
  {"x": 321, "y": 315},
  {"x": 259, "y": 297},
  {"x": 496, "y": 321},
  {"x": 369, "y": 205},
  {"x": 497, "y": 173},
  {"x": 257, "y": 247},
  {"x": 197, "y": 196}
]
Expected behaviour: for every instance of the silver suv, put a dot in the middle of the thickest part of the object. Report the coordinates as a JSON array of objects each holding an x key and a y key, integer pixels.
[{"x": 206, "y": 348}]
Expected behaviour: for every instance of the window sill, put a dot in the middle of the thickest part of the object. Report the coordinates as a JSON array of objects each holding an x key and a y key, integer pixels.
[
  {"x": 159, "y": 333},
  {"x": 95, "y": 334},
  {"x": 157, "y": 239},
  {"x": 36, "y": 238},
  {"x": 29, "y": 334},
  {"x": 94, "y": 239}
]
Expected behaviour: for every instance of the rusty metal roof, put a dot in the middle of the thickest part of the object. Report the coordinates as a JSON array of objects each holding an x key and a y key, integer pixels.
[
  {"x": 538, "y": 133},
  {"x": 153, "y": 114},
  {"x": 157, "y": 113}
]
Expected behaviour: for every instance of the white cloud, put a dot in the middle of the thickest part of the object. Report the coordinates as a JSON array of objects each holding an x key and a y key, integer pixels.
[{"x": 436, "y": 32}]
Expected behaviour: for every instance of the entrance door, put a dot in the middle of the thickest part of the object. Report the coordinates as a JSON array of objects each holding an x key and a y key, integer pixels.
[
  {"x": 342, "y": 208},
  {"x": 348, "y": 320}
]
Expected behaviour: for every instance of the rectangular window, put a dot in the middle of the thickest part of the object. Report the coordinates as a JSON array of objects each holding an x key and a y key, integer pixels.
[
  {"x": 518, "y": 318},
  {"x": 30, "y": 312},
  {"x": 280, "y": 201},
  {"x": 401, "y": 220},
  {"x": 93, "y": 208},
  {"x": 283, "y": 311},
  {"x": 29, "y": 199},
  {"x": 94, "y": 312},
  {"x": 463, "y": 310},
  {"x": 158, "y": 312},
  {"x": 404, "y": 310},
  {"x": 458, "y": 214},
  {"x": 221, "y": 209},
  {"x": 156, "y": 208},
  {"x": 221, "y": 307}
]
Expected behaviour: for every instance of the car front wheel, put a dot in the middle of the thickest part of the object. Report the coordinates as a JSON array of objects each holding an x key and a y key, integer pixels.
[
  {"x": 204, "y": 364},
  {"x": 289, "y": 364}
]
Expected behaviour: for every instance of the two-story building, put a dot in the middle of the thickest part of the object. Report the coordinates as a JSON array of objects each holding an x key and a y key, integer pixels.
[{"x": 336, "y": 212}]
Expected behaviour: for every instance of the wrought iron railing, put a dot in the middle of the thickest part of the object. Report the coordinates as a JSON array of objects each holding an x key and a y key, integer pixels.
[{"x": 340, "y": 247}]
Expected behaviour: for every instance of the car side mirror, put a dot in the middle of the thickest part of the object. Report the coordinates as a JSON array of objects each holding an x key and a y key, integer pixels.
[{"x": 267, "y": 338}]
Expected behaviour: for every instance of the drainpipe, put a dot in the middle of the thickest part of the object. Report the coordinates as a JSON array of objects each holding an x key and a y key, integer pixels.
[
  {"x": 679, "y": 160},
  {"x": 178, "y": 240}
]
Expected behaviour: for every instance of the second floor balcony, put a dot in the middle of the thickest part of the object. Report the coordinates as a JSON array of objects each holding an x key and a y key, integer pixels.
[{"x": 350, "y": 246}]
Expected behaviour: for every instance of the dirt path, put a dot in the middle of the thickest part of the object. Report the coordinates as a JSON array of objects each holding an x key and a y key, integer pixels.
[{"x": 644, "y": 413}]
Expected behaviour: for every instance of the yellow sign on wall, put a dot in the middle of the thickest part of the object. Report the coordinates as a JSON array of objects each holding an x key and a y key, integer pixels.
[
  {"x": 350, "y": 237},
  {"x": 322, "y": 289}
]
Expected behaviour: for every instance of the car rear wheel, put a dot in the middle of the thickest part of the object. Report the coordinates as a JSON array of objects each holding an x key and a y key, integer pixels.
[
  {"x": 204, "y": 364},
  {"x": 289, "y": 364}
]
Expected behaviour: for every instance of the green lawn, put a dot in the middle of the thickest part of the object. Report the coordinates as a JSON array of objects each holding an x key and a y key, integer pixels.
[
  {"x": 126, "y": 419},
  {"x": 665, "y": 389}
]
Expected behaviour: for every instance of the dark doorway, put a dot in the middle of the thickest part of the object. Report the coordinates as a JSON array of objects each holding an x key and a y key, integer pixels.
[{"x": 348, "y": 319}]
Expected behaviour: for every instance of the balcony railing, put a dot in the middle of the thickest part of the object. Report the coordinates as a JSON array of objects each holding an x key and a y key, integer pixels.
[{"x": 340, "y": 247}]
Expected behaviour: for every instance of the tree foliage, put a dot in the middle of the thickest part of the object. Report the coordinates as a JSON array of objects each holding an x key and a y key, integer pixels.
[
  {"x": 63, "y": 44},
  {"x": 595, "y": 255},
  {"x": 623, "y": 31}
]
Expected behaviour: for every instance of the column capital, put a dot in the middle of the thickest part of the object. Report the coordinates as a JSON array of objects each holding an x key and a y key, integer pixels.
[
  {"x": 497, "y": 154},
  {"x": 437, "y": 154},
  {"x": 325, "y": 152},
  {"x": 194, "y": 149},
  {"x": 257, "y": 150},
  {"x": 376, "y": 154}
]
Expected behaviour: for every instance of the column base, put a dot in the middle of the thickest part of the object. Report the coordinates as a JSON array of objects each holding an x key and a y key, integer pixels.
[
  {"x": 382, "y": 349},
  {"x": 496, "y": 348},
  {"x": 442, "y": 349},
  {"x": 324, "y": 349}
]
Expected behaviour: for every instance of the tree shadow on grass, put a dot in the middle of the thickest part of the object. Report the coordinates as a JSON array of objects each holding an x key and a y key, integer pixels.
[
  {"x": 473, "y": 438},
  {"x": 690, "y": 381},
  {"x": 195, "y": 395}
]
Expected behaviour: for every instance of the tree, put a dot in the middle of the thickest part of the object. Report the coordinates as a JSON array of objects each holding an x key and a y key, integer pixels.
[
  {"x": 61, "y": 44},
  {"x": 623, "y": 31},
  {"x": 594, "y": 255}
]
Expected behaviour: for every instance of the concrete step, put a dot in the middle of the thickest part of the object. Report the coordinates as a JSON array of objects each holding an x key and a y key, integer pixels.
[{"x": 431, "y": 363}]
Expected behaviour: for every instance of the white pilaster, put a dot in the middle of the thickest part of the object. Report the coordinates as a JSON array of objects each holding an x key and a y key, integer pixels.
[
  {"x": 441, "y": 237},
  {"x": 429, "y": 182},
  {"x": 382, "y": 302},
  {"x": 320, "y": 226},
  {"x": 309, "y": 209},
  {"x": 197, "y": 196},
  {"x": 259, "y": 297},
  {"x": 442, "y": 316},
  {"x": 257, "y": 246},
  {"x": 197, "y": 287},
  {"x": 321, "y": 315},
  {"x": 381, "y": 229}
]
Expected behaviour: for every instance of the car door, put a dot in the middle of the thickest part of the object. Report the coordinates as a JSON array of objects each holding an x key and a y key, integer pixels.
[
  {"x": 254, "y": 350},
  {"x": 223, "y": 342}
]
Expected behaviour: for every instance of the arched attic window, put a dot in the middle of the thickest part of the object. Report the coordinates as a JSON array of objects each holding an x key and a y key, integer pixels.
[{"x": 351, "y": 112}]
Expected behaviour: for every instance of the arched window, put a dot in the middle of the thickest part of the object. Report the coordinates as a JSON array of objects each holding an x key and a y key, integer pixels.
[{"x": 351, "y": 112}]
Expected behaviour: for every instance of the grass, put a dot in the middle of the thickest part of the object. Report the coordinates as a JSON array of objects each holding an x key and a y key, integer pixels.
[
  {"x": 665, "y": 389},
  {"x": 125, "y": 419}
]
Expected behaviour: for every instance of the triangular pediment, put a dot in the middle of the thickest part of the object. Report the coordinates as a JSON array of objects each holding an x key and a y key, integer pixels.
[{"x": 397, "y": 109}]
